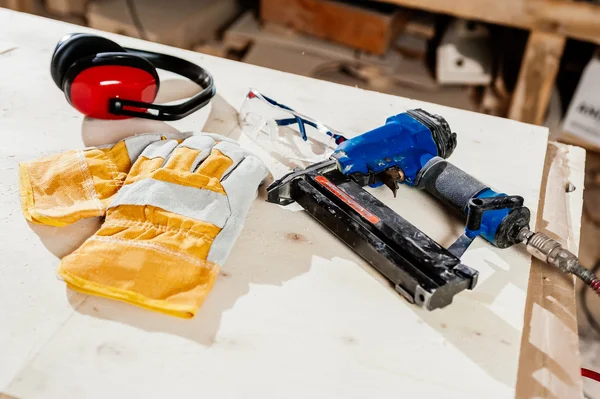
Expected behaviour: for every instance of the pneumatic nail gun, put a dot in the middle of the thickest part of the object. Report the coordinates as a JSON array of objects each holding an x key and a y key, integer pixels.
[{"x": 411, "y": 149}]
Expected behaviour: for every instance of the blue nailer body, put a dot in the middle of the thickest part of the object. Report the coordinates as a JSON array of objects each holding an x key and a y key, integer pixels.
[
  {"x": 402, "y": 142},
  {"x": 413, "y": 146},
  {"x": 490, "y": 220}
]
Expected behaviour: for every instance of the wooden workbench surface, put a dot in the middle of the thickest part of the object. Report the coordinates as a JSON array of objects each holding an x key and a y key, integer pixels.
[{"x": 295, "y": 313}]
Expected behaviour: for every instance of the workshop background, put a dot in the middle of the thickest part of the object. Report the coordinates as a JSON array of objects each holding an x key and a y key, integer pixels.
[{"x": 539, "y": 65}]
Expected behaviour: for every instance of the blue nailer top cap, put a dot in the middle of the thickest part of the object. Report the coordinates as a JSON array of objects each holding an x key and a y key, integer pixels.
[{"x": 406, "y": 141}]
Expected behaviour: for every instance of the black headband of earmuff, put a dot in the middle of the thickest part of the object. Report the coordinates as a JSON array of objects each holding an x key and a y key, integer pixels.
[{"x": 195, "y": 73}]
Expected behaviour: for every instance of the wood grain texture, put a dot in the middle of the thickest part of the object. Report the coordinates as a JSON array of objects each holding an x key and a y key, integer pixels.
[
  {"x": 352, "y": 25},
  {"x": 572, "y": 19},
  {"x": 536, "y": 77},
  {"x": 550, "y": 306}
]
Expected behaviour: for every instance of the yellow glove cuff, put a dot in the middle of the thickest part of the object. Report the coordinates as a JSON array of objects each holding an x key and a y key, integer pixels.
[
  {"x": 61, "y": 189},
  {"x": 166, "y": 271}
]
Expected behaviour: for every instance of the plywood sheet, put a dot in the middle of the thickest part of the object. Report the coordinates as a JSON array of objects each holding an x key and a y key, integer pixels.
[
  {"x": 295, "y": 313},
  {"x": 536, "y": 77}
]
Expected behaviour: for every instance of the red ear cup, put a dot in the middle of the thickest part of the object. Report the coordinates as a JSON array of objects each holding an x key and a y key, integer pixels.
[
  {"x": 74, "y": 47},
  {"x": 90, "y": 83}
]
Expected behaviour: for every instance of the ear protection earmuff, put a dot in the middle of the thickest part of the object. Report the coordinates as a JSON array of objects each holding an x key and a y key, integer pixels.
[{"x": 106, "y": 81}]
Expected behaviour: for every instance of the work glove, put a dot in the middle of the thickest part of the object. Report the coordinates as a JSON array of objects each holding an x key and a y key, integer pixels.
[
  {"x": 61, "y": 189},
  {"x": 170, "y": 226}
]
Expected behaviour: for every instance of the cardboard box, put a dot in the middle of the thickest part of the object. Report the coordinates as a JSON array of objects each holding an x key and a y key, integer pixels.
[{"x": 582, "y": 121}]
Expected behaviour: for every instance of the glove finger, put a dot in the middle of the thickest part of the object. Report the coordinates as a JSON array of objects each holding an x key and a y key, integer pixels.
[
  {"x": 190, "y": 153},
  {"x": 226, "y": 156},
  {"x": 135, "y": 145},
  {"x": 240, "y": 186},
  {"x": 234, "y": 152},
  {"x": 151, "y": 159},
  {"x": 249, "y": 173}
]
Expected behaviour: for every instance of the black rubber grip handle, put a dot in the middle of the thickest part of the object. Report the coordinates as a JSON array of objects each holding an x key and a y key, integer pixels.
[{"x": 449, "y": 184}]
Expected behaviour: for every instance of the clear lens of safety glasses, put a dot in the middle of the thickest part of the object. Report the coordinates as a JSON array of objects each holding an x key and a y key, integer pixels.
[{"x": 277, "y": 128}]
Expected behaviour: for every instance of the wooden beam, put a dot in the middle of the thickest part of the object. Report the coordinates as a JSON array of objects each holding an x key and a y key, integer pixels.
[
  {"x": 572, "y": 19},
  {"x": 536, "y": 77},
  {"x": 357, "y": 26}
]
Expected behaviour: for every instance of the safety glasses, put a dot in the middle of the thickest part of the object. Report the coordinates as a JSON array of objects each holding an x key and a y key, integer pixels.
[{"x": 278, "y": 128}]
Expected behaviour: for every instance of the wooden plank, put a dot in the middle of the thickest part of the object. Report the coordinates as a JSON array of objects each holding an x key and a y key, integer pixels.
[
  {"x": 578, "y": 20},
  {"x": 545, "y": 372},
  {"x": 183, "y": 23},
  {"x": 536, "y": 77},
  {"x": 356, "y": 26},
  {"x": 572, "y": 19},
  {"x": 509, "y": 12}
]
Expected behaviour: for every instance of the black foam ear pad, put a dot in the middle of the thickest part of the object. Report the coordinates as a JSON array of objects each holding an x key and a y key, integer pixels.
[{"x": 74, "y": 47}]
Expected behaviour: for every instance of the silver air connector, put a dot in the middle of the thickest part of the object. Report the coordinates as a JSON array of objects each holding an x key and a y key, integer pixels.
[{"x": 552, "y": 252}]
